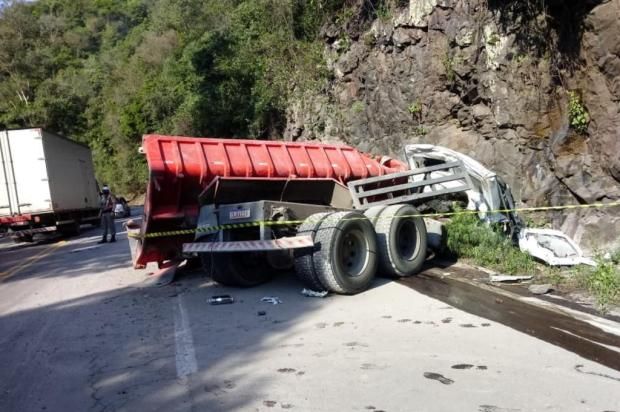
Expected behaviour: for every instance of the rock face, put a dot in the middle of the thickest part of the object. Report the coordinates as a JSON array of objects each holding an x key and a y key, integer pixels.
[{"x": 453, "y": 73}]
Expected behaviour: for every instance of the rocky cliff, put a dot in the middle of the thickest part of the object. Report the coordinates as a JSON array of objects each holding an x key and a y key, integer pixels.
[{"x": 530, "y": 89}]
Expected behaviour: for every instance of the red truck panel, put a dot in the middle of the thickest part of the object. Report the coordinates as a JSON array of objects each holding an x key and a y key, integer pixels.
[{"x": 180, "y": 168}]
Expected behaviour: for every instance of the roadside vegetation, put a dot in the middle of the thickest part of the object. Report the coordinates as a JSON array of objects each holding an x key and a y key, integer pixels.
[
  {"x": 602, "y": 281},
  {"x": 468, "y": 238},
  {"x": 105, "y": 72}
]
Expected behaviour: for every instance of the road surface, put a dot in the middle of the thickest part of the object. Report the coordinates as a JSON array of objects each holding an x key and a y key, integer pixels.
[{"x": 81, "y": 331}]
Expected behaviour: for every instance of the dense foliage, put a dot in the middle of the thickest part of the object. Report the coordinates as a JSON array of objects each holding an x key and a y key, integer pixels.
[
  {"x": 468, "y": 237},
  {"x": 105, "y": 72}
]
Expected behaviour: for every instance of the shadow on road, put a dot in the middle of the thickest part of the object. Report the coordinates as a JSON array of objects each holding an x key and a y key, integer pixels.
[{"x": 125, "y": 348}]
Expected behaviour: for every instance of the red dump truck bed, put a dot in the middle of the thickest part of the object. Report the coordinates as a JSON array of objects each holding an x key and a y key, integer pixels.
[{"x": 181, "y": 168}]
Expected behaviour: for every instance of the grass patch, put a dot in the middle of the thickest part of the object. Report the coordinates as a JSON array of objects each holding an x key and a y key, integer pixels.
[
  {"x": 604, "y": 284},
  {"x": 467, "y": 237},
  {"x": 602, "y": 281}
]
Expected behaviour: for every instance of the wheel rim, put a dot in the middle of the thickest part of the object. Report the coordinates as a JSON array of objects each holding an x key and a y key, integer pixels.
[
  {"x": 352, "y": 253},
  {"x": 407, "y": 240}
]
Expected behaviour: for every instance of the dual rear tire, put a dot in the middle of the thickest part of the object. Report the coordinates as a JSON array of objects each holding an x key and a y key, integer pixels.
[
  {"x": 401, "y": 237},
  {"x": 344, "y": 258},
  {"x": 350, "y": 248}
]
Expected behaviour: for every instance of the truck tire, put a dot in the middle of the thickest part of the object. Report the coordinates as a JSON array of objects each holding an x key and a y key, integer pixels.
[
  {"x": 304, "y": 268},
  {"x": 242, "y": 269},
  {"x": 237, "y": 269},
  {"x": 23, "y": 239},
  {"x": 346, "y": 259},
  {"x": 401, "y": 239},
  {"x": 373, "y": 213},
  {"x": 70, "y": 229}
]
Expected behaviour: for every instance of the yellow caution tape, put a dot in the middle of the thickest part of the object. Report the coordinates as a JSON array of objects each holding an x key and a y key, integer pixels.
[{"x": 298, "y": 222}]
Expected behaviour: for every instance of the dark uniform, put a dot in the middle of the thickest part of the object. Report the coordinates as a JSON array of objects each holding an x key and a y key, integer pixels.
[{"x": 107, "y": 215}]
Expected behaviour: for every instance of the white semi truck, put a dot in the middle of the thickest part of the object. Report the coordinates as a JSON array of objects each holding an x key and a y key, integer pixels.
[{"x": 47, "y": 183}]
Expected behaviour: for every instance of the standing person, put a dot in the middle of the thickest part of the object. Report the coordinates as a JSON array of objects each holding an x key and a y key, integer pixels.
[{"x": 107, "y": 215}]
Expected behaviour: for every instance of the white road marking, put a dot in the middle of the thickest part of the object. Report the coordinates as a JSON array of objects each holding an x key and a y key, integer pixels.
[
  {"x": 81, "y": 249},
  {"x": 183, "y": 342}
]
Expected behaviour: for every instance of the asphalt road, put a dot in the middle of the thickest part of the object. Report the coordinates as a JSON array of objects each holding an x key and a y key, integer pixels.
[{"x": 81, "y": 331}]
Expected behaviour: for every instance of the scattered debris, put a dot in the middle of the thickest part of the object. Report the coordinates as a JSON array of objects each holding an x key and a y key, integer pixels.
[
  {"x": 261, "y": 313},
  {"x": 313, "y": 293},
  {"x": 540, "y": 289},
  {"x": 552, "y": 247},
  {"x": 492, "y": 198},
  {"x": 509, "y": 279},
  {"x": 274, "y": 300},
  {"x": 221, "y": 300}
]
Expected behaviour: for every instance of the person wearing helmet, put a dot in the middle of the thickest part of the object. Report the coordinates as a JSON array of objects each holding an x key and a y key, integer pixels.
[{"x": 107, "y": 215}]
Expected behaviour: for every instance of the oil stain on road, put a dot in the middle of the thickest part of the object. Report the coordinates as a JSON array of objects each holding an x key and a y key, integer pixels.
[{"x": 551, "y": 326}]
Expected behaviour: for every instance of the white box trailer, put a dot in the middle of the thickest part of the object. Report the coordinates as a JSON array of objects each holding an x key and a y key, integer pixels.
[{"x": 47, "y": 182}]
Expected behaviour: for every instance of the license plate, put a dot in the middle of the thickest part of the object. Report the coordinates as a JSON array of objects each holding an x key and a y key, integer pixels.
[{"x": 239, "y": 214}]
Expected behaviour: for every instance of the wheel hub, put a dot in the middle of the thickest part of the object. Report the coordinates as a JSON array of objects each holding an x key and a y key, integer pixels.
[{"x": 353, "y": 250}]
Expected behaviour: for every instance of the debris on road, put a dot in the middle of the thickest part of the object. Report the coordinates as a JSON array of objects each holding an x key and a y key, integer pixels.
[
  {"x": 540, "y": 289},
  {"x": 274, "y": 300},
  {"x": 313, "y": 293},
  {"x": 261, "y": 313},
  {"x": 552, "y": 247},
  {"x": 509, "y": 279},
  {"x": 221, "y": 300}
]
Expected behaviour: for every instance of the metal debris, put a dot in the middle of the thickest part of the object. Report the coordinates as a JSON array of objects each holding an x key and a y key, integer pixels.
[
  {"x": 509, "y": 279},
  {"x": 274, "y": 300},
  {"x": 313, "y": 293},
  {"x": 221, "y": 300}
]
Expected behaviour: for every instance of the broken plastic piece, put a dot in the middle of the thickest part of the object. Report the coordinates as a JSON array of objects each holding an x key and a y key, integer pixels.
[
  {"x": 313, "y": 293},
  {"x": 274, "y": 300},
  {"x": 507, "y": 278},
  {"x": 552, "y": 247}
]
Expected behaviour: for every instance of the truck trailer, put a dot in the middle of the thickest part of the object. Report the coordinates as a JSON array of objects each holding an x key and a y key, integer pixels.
[
  {"x": 47, "y": 183},
  {"x": 249, "y": 208}
]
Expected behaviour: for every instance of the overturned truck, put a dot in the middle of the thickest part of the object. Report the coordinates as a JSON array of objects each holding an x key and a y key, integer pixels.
[{"x": 248, "y": 209}]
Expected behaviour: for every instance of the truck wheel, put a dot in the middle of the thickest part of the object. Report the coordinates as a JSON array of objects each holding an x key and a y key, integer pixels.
[
  {"x": 373, "y": 213},
  {"x": 70, "y": 229},
  {"x": 402, "y": 241},
  {"x": 244, "y": 269},
  {"x": 239, "y": 269},
  {"x": 346, "y": 259},
  {"x": 304, "y": 268},
  {"x": 23, "y": 239}
]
